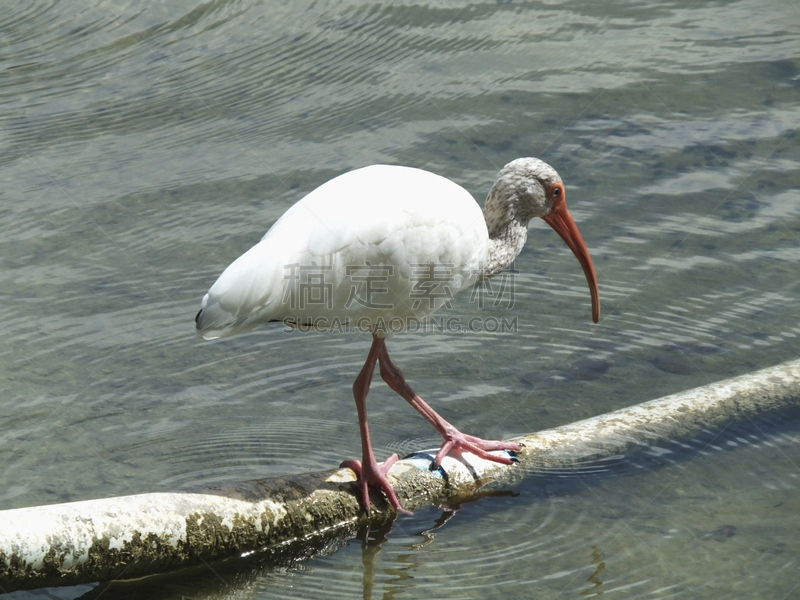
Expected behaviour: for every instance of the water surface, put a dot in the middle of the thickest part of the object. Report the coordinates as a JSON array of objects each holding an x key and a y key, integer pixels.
[{"x": 144, "y": 146}]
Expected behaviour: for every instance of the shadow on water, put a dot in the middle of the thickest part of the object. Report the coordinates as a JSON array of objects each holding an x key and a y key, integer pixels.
[{"x": 273, "y": 569}]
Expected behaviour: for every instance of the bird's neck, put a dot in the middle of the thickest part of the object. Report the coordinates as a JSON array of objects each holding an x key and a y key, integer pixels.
[{"x": 508, "y": 230}]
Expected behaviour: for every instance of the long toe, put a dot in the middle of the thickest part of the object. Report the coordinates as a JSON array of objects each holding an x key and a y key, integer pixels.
[
  {"x": 379, "y": 480},
  {"x": 375, "y": 477},
  {"x": 456, "y": 443}
]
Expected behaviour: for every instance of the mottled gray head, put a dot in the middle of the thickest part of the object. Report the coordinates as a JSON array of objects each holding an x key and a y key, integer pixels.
[
  {"x": 528, "y": 188},
  {"x": 531, "y": 185}
]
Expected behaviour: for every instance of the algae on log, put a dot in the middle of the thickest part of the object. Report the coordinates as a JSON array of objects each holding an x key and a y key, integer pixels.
[{"x": 132, "y": 536}]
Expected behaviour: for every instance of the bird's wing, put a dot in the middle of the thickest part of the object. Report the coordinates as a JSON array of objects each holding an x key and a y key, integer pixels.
[{"x": 370, "y": 243}]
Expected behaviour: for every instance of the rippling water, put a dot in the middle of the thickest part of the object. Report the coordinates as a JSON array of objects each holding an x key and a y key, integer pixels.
[{"x": 144, "y": 146}]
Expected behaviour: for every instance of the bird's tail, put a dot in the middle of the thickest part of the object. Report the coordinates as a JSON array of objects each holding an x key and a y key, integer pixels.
[{"x": 212, "y": 322}]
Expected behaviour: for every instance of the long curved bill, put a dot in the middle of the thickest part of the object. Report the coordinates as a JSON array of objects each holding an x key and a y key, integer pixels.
[{"x": 560, "y": 220}]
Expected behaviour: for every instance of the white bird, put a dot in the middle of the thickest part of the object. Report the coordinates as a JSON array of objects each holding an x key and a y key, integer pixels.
[{"x": 377, "y": 249}]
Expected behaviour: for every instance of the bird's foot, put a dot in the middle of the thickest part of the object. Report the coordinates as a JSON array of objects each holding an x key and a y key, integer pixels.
[
  {"x": 455, "y": 443},
  {"x": 373, "y": 474}
]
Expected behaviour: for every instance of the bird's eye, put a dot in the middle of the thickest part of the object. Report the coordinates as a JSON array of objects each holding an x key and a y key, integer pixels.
[{"x": 556, "y": 191}]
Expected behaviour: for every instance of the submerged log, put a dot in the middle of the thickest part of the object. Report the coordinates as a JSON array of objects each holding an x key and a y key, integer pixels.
[{"x": 133, "y": 536}]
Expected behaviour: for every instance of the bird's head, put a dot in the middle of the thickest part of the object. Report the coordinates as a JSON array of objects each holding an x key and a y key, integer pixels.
[
  {"x": 530, "y": 186},
  {"x": 527, "y": 188}
]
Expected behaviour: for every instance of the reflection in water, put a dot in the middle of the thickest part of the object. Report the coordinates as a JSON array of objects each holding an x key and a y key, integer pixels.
[
  {"x": 594, "y": 579},
  {"x": 372, "y": 538},
  {"x": 428, "y": 536}
]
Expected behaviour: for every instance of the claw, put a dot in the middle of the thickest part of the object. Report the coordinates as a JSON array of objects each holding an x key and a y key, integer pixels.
[
  {"x": 375, "y": 477},
  {"x": 456, "y": 442}
]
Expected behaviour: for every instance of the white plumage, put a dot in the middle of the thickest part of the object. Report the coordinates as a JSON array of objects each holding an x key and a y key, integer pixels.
[
  {"x": 382, "y": 216},
  {"x": 385, "y": 244}
]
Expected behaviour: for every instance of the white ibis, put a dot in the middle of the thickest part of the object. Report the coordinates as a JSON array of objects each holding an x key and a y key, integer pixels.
[{"x": 377, "y": 248}]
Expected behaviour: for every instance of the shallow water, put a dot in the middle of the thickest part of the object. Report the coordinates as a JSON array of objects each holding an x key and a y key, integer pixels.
[{"x": 144, "y": 146}]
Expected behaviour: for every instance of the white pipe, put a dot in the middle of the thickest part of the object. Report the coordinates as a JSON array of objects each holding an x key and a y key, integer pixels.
[{"x": 132, "y": 536}]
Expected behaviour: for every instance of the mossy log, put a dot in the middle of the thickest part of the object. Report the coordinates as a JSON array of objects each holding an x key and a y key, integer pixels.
[{"x": 133, "y": 536}]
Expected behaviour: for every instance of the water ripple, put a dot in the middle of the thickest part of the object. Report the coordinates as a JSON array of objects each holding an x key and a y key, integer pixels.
[{"x": 143, "y": 146}]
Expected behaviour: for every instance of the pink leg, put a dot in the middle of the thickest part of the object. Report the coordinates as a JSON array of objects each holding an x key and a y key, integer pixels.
[
  {"x": 454, "y": 440},
  {"x": 369, "y": 471}
]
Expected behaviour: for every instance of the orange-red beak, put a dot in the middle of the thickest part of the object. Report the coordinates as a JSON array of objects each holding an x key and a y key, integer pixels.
[{"x": 560, "y": 220}]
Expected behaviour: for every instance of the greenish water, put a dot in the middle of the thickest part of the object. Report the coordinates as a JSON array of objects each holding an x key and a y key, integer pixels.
[{"x": 144, "y": 146}]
